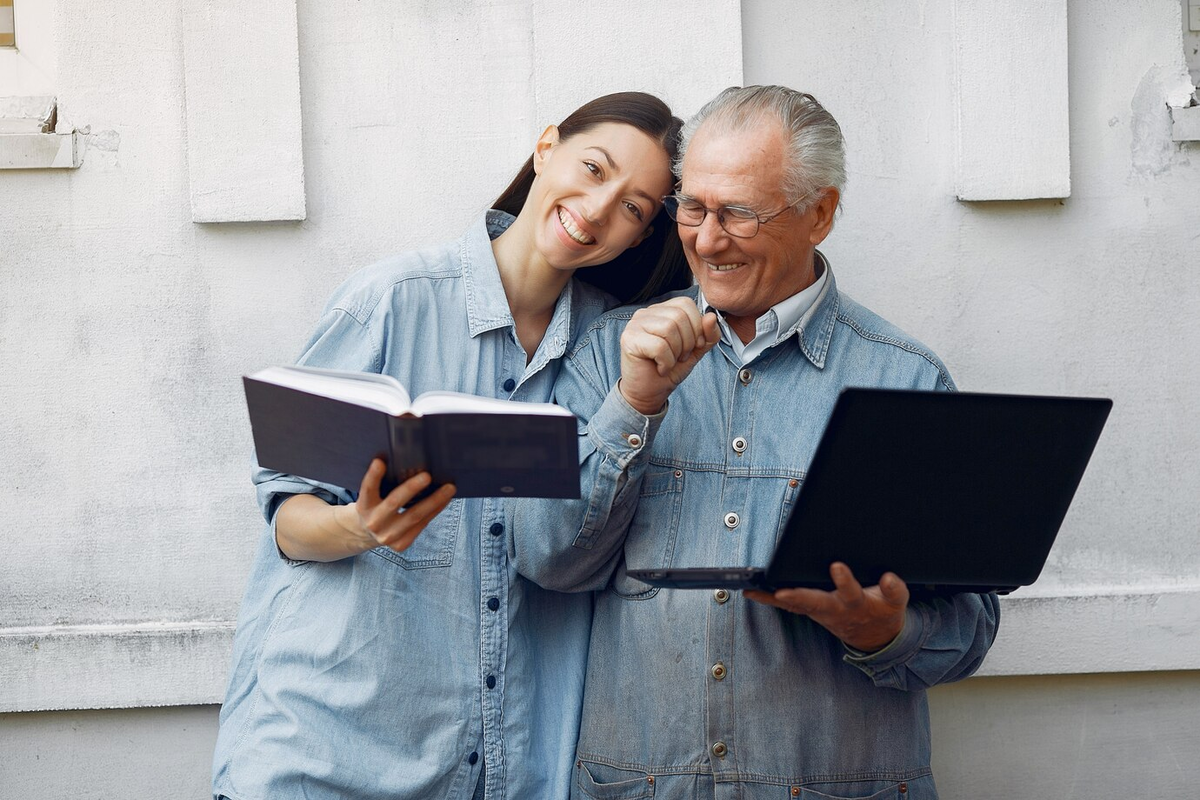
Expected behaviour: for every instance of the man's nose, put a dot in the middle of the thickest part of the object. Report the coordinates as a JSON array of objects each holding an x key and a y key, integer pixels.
[{"x": 710, "y": 236}]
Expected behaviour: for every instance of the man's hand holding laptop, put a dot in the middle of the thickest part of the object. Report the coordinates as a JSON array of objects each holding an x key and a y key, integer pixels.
[{"x": 867, "y": 619}]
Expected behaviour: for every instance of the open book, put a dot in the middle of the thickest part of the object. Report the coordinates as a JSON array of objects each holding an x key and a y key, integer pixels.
[{"x": 327, "y": 425}]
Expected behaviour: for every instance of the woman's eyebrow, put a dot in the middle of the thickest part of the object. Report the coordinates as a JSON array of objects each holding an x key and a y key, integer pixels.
[
  {"x": 613, "y": 166},
  {"x": 607, "y": 157}
]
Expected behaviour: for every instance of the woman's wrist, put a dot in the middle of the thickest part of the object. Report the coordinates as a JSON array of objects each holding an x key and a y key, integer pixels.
[{"x": 352, "y": 529}]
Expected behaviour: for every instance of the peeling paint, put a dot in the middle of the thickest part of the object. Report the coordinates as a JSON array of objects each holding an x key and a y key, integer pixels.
[
  {"x": 106, "y": 141},
  {"x": 1151, "y": 148}
]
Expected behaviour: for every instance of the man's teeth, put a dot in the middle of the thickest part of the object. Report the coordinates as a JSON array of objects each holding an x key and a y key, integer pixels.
[
  {"x": 575, "y": 233},
  {"x": 723, "y": 267}
]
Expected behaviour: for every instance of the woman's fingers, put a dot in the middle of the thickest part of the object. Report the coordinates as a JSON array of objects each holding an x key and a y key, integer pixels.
[
  {"x": 368, "y": 490},
  {"x": 404, "y": 493}
]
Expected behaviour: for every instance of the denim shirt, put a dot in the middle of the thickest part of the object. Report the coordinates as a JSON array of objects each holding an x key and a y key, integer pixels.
[
  {"x": 694, "y": 693},
  {"x": 400, "y": 675}
]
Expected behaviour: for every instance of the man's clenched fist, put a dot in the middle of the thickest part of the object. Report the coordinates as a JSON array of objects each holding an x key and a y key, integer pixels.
[{"x": 660, "y": 346}]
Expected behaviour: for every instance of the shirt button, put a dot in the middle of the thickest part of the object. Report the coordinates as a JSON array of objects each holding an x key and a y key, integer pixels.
[
  {"x": 509, "y": 385},
  {"x": 732, "y": 520},
  {"x": 739, "y": 445},
  {"x": 719, "y": 749},
  {"x": 491, "y": 681},
  {"x": 745, "y": 376},
  {"x": 718, "y": 671},
  {"x": 721, "y": 595},
  {"x": 634, "y": 440},
  {"x": 471, "y": 759},
  {"x": 493, "y": 603},
  {"x": 496, "y": 529}
]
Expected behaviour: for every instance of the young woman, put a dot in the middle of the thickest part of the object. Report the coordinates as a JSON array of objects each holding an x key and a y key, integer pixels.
[{"x": 390, "y": 653}]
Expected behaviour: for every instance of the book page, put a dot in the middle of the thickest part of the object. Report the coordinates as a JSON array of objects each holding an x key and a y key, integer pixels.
[
  {"x": 366, "y": 389},
  {"x": 457, "y": 403}
]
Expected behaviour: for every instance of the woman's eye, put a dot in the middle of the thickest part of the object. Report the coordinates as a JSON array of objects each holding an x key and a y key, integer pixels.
[
  {"x": 633, "y": 209},
  {"x": 592, "y": 167}
]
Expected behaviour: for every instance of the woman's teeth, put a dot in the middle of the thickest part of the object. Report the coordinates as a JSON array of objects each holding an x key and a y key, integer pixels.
[
  {"x": 723, "y": 267},
  {"x": 569, "y": 225}
]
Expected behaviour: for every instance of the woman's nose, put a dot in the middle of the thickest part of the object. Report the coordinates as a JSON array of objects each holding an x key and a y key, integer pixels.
[{"x": 599, "y": 205}]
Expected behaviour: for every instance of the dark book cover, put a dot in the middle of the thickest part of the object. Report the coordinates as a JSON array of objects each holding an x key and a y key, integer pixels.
[{"x": 482, "y": 454}]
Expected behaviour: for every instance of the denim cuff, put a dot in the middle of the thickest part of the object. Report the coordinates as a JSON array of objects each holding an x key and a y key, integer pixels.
[
  {"x": 899, "y": 650},
  {"x": 621, "y": 432},
  {"x": 291, "y": 562}
]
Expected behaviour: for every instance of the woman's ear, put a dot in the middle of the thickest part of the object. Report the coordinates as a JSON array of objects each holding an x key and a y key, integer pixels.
[{"x": 541, "y": 150}]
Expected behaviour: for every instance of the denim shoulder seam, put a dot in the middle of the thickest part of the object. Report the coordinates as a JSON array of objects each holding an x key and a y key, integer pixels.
[
  {"x": 902, "y": 344},
  {"x": 622, "y": 314}
]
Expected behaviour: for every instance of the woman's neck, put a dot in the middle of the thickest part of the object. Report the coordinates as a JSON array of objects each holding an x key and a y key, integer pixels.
[{"x": 531, "y": 285}]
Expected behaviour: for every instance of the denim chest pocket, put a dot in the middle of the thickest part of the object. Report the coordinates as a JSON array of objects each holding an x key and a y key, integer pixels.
[
  {"x": 651, "y": 540},
  {"x": 434, "y": 546},
  {"x": 602, "y": 782},
  {"x": 791, "y": 489}
]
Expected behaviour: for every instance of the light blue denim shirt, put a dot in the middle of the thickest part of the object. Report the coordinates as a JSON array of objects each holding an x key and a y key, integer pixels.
[
  {"x": 707, "y": 694},
  {"x": 399, "y": 675}
]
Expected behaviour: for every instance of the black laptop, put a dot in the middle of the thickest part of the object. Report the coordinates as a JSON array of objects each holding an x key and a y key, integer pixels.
[{"x": 953, "y": 492}]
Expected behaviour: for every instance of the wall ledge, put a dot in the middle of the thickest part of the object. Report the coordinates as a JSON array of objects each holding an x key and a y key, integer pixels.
[
  {"x": 58, "y": 668},
  {"x": 1129, "y": 631},
  {"x": 115, "y": 666}
]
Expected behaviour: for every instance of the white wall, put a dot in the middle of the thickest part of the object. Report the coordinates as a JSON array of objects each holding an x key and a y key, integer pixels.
[{"x": 124, "y": 326}]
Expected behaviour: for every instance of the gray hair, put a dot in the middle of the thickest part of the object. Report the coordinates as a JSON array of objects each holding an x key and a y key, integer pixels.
[{"x": 816, "y": 150}]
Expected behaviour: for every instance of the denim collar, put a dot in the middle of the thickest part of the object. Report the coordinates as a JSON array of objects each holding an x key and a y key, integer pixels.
[
  {"x": 814, "y": 329},
  {"x": 487, "y": 305}
]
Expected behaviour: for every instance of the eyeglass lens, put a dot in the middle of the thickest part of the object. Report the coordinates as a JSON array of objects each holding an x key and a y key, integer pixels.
[{"x": 736, "y": 221}]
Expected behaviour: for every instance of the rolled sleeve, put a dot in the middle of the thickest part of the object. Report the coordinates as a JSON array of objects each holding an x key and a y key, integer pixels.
[{"x": 943, "y": 640}]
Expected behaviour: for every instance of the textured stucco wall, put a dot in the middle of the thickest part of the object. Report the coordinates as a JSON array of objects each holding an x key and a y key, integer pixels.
[{"x": 124, "y": 327}]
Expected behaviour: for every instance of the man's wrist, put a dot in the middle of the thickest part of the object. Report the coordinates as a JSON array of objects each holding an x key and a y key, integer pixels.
[{"x": 648, "y": 407}]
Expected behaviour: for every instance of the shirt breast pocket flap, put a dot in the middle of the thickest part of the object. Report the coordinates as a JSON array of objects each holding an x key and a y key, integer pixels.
[
  {"x": 651, "y": 540},
  {"x": 434, "y": 546}
]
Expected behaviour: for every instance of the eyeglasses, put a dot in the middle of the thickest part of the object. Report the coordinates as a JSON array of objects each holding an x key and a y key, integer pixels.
[{"x": 737, "y": 221}]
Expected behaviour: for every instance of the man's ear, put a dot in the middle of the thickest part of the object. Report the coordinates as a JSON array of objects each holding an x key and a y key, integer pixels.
[
  {"x": 824, "y": 211},
  {"x": 541, "y": 150},
  {"x": 644, "y": 236}
]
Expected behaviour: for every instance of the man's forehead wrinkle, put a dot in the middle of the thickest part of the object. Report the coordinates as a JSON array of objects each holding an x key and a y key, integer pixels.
[{"x": 733, "y": 168}]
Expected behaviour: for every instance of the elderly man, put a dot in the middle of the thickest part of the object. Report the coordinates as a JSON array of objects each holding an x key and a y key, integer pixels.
[{"x": 803, "y": 693}]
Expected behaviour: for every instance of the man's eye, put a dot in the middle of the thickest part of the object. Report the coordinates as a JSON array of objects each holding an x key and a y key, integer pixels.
[
  {"x": 633, "y": 209},
  {"x": 738, "y": 212},
  {"x": 592, "y": 167}
]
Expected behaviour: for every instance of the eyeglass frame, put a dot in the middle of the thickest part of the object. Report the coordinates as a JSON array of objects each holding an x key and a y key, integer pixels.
[{"x": 720, "y": 212}]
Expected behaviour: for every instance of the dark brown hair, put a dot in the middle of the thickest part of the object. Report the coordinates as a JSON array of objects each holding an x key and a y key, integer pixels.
[{"x": 656, "y": 265}]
